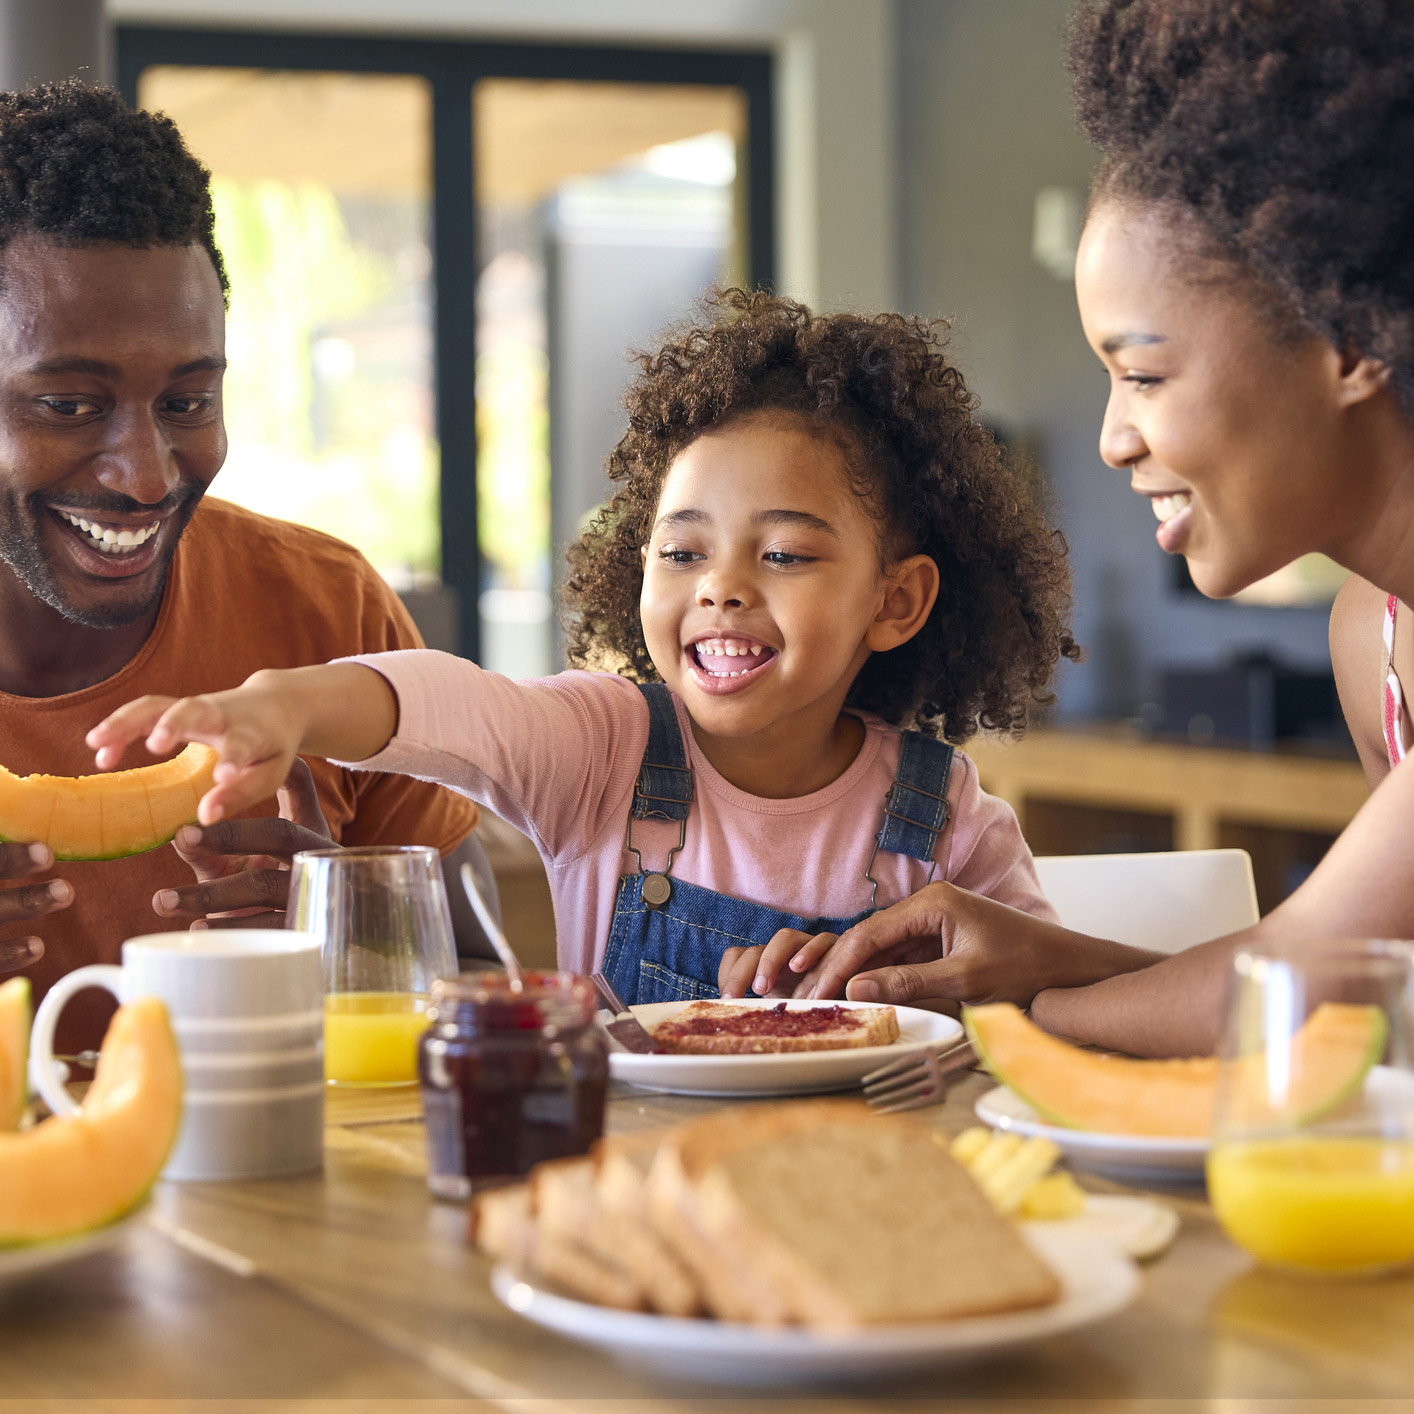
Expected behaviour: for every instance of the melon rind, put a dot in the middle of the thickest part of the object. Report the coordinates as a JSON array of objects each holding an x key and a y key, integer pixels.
[
  {"x": 14, "y": 1051},
  {"x": 80, "y": 1171},
  {"x": 108, "y": 815},
  {"x": 1079, "y": 1089}
]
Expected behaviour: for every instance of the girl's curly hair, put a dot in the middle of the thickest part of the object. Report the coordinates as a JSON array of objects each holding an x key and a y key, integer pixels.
[
  {"x": 1285, "y": 128},
  {"x": 882, "y": 392}
]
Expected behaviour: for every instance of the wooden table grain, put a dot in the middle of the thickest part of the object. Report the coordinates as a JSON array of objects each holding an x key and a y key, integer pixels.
[{"x": 352, "y": 1284}]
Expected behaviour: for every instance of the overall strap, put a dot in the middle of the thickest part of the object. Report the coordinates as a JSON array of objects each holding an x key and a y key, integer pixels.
[
  {"x": 663, "y": 790},
  {"x": 916, "y": 808}
]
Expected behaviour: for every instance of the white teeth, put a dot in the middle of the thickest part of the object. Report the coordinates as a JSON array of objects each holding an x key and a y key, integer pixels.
[
  {"x": 110, "y": 540},
  {"x": 1166, "y": 507},
  {"x": 709, "y": 649}
]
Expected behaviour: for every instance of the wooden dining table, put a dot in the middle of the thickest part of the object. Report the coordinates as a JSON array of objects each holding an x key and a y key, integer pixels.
[{"x": 353, "y": 1284}]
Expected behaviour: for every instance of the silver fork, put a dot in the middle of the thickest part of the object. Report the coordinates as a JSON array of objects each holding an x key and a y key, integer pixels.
[{"x": 918, "y": 1078}]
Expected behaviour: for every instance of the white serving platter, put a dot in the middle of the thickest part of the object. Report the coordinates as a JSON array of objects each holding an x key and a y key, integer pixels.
[{"x": 1097, "y": 1280}]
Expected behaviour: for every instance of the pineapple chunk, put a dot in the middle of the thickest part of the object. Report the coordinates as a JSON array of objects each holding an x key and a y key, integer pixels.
[{"x": 1055, "y": 1196}]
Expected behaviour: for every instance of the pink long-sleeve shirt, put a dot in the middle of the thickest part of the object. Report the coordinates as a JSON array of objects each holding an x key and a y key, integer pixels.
[{"x": 558, "y": 758}]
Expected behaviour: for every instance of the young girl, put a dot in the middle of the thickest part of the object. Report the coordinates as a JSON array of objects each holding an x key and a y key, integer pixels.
[{"x": 812, "y": 548}]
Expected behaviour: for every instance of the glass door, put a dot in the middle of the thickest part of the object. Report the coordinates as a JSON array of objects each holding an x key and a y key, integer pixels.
[
  {"x": 440, "y": 255},
  {"x": 329, "y": 394},
  {"x": 606, "y": 211}
]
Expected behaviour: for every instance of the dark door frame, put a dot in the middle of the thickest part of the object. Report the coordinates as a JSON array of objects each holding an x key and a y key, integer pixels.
[{"x": 452, "y": 68}]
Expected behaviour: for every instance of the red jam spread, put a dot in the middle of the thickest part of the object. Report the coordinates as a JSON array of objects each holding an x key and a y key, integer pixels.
[{"x": 764, "y": 1021}]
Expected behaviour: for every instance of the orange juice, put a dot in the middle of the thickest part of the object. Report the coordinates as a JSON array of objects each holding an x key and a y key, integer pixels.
[
  {"x": 1323, "y": 1204},
  {"x": 370, "y": 1038}
]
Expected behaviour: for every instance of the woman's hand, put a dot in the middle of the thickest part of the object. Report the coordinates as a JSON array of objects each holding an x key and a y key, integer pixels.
[
  {"x": 946, "y": 943},
  {"x": 21, "y": 904},
  {"x": 242, "y": 866},
  {"x": 343, "y": 710}
]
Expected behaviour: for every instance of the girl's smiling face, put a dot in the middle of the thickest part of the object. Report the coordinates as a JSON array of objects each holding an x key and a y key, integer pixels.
[
  {"x": 1245, "y": 441},
  {"x": 763, "y": 589}
]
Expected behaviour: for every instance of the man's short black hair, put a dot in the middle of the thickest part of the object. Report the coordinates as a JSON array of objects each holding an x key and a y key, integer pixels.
[{"x": 78, "y": 166}]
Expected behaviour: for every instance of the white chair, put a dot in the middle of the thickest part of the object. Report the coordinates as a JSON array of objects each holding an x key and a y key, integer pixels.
[{"x": 1163, "y": 902}]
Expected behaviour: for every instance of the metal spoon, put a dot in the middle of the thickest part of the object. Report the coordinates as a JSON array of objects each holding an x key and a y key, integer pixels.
[{"x": 493, "y": 929}]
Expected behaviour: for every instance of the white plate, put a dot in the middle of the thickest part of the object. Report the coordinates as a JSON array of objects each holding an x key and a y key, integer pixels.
[
  {"x": 17, "y": 1262},
  {"x": 1133, "y": 1156},
  {"x": 1096, "y": 1281},
  {"x": 792, "y": 1073}
]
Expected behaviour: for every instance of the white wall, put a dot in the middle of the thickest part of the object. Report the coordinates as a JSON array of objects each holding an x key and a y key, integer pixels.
[
  {"x": 984, "y": 121},
  {"x": 835, "y": 107}
]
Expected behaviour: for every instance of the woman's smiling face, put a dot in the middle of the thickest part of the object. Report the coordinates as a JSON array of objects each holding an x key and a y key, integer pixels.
[{"x": 1241, "y": 438}]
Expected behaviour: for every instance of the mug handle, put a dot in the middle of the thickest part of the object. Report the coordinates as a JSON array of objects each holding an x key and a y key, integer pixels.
[{"x": 45, "y": 1073}]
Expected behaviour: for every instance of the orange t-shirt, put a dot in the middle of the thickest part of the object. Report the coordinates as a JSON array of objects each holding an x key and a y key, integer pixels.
[{"x": 244, "y": 592}]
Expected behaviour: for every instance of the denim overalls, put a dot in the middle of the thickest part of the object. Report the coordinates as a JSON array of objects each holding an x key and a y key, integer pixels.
[{"x": 668, "y": 936}]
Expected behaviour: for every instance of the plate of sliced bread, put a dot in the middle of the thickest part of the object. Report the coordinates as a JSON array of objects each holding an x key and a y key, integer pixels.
[
  {"x": 783, "y": 1244},
  {"x": 760, "y": 1046}
]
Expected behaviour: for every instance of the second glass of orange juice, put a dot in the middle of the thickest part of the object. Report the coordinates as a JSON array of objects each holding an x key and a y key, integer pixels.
[
  {"x": 382, "y": 918},
  {"x": 1312, "y": 1165}
]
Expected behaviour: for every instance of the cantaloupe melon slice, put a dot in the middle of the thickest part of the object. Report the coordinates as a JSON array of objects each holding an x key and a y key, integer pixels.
[
  {"x": 78, "y": 1171},
  {"x": 14, "y": 1051},
  {"x": 109, "y": 814},
  {"x": 1175, "y": 1098}
]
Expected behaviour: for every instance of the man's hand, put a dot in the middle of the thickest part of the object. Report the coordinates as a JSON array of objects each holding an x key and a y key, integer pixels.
[
  {"x": 945, "y": 943},
  {"x": 242, "y": 866},
  {"x": 20, "y": 904}
]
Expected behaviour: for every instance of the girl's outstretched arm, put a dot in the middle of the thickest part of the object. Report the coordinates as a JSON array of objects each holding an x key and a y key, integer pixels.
[{"x": 340, "y": 710}]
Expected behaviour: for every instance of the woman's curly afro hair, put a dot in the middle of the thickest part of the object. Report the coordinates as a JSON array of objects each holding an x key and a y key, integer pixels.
[
  {"x": 79, "y": 167},
  {"x": 880, "y": 391},
  {"x": 1286, "y": 127}
]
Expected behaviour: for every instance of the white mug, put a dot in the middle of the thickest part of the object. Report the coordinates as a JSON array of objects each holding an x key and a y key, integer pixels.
[{"x": 247, "y": 1007}]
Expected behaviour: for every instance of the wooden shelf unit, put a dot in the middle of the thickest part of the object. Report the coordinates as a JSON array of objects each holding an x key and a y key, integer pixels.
[{"x": 1076, "y": 792}]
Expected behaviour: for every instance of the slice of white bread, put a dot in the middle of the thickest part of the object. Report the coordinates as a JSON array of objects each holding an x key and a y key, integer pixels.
[
  {"x": 828, "y": 1215},
  {"x": 722, "y": 1028},
  {"x": 622, "y": 1188},
  {"x": 534, "y": 1227},
  {"x": 501, "y": 1222}
]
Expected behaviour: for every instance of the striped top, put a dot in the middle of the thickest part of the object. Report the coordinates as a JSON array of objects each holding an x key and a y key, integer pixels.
[{"x": 1393, "y": 693}]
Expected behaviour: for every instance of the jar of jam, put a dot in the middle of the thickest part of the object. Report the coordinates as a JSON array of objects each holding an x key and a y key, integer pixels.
[{"x": 509, "y": 1077}]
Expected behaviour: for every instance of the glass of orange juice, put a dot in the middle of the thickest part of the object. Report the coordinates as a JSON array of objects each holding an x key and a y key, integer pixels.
[
  {"x": 385, "y": 931},
  {"x": 1312, "y": 1164}
]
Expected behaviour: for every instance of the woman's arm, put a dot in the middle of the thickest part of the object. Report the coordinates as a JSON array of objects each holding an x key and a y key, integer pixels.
[
  {"x": 1363, "y": 888},
  {"x": 1356, "y": 642}
]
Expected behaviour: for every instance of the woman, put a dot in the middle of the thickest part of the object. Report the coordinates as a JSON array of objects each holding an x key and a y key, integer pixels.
[{"x": 1246, "y": 276}]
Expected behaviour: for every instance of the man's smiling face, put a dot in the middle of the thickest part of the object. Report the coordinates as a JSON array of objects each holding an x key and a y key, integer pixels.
[{"x": 111, "y": 360}]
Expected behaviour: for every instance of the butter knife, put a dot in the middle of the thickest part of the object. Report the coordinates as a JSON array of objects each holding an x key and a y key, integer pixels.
[{"x": 625, "y": 1028}]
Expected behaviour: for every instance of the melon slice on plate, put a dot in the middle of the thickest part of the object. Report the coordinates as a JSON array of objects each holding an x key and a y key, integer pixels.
[
  {"x": 14, "y": 1051},
  {"x": 82, "y": 1170},
  {"x": 109, "y": 814},
  {"x": 1173, "y": 1098}
]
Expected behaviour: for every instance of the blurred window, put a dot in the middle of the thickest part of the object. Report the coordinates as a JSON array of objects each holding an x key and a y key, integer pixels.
[
  {"x": 329, "y": 395},
  {"x": 441, "y": 253},
  {"x": 606, "y": 211}
]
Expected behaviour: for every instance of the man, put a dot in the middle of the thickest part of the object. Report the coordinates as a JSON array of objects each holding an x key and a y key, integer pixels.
[{"x": 116, "y": 579}]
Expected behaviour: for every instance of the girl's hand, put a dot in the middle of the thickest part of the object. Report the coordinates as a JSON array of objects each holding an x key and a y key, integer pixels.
[
  {"x": 254, "y": 730},
  {"x": 739, "y": 972},
  {"x": 784, "y": 967},
  {"x": 344, "y": 710}
]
